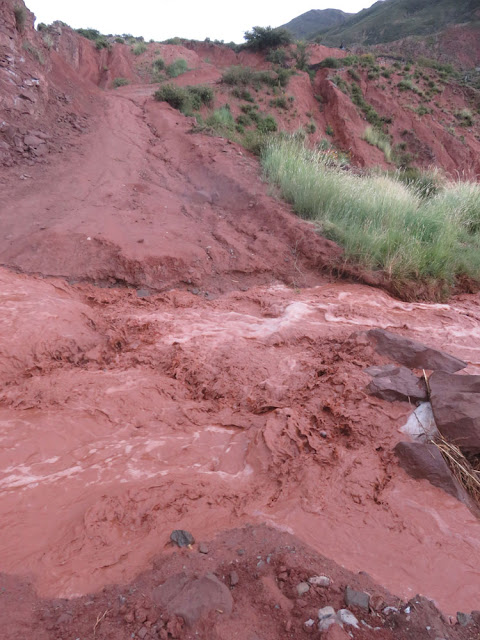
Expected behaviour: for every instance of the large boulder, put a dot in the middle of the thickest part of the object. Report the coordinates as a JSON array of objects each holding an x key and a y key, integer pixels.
[
  {"x": 456, "y": 407},
  {"x": 413, "y": 354},
  {"x": 193, "y": 598},
  {"x": 391, "y": 383},
  {"x": 425, "y": 462}
]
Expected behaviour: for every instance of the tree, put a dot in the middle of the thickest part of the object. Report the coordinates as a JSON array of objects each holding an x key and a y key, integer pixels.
[{"x": 262, "y": 38}]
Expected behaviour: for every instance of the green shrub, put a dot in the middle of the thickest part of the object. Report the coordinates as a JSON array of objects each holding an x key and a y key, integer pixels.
[
  {"x": 42, "y": 26},
  {"x": 353, "y": 74},
  {"x": 381, "y": 223},
  {"x": 244, "y": 76},
  {"x": 301, "y": 56},
  {"x": 139, "y": 48},
  {"x": 221, "y": 120},
  {"x": 370, "y": 114},
  {"x": 332, "y": 63},
  {"x": 20, "y": 17},
  {"x": 34, "y": 52},
  {"x": 185, "y": 99},
  {"x": 242, "y": 94},
  {"x": 378, "y": 139},
  {"x": 311, "y": 127},
  {"x": 329, "y": 130},
  {"x": 280, "y": 102},
  {"x": 268, "y": 124},
  {"x": 158, "y": 64},
  {"x": 120, "y": 82},
  {"x": 176, "y": 68},
  {"x": 277, "y": 56},
  {"x": 244, "y": 120},
  {"x": 263, "y": 38},
  {"x": 119, "y": 40},
  {"x": 340, "y": 83},
  {"x": 465, "y": 117},
  {"x": 102, "y": 43}
]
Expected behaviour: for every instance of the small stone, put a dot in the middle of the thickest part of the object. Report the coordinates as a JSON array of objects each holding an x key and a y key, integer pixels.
[
  {"x": 326, "y": 623},
  {"x": 142, "y": 633},
  {"x": 140, "y": 615},
  {"x": 309, "y": 623},
  {"x": 388, "y": 610},
  {"x": 326, "y": 612},
  {"x": 241, "y": 552},
  {"x": 320, "y": 581},
  {"x": 303, "y": 588},
  {"x": 344, "y": 616},
  {"x": 355, "y": 598},
  {"x": 182, "y": 538},
  {"x": 128, "y": 617},
  {"x": 323, "y": 434},
  {"x": 203, "y": 548},
  {"x": 234, "y": 579},
  {"x": 143, "y": 293},
  {"x": 464, "y": 619}
]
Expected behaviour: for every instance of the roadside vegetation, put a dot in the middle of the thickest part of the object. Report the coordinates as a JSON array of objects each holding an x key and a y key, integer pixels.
[{"x": 408, "y": 233}]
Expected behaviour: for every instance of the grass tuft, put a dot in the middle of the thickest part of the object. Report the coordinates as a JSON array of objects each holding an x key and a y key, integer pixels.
[
  {"x": 381, "y": 223},
  {"x": 378, "y": 139}
]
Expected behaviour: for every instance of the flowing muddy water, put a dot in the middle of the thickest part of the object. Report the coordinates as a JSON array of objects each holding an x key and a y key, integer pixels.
[{"x": 125, "y": 418}]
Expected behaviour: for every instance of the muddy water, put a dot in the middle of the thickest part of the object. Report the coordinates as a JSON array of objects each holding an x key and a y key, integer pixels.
[{"x": 174, "y": 412}]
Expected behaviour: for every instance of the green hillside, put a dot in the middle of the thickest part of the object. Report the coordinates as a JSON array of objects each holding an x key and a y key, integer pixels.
[
  {"x": 395, "y": 19},
  {"x": 314, "y": 21}
]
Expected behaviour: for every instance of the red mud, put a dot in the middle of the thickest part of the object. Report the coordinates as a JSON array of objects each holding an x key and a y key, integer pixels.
[{"x": 127, "y": 413}]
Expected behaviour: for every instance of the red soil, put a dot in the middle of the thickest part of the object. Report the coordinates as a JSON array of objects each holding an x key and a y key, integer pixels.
[{"x": 126, "y": 415}]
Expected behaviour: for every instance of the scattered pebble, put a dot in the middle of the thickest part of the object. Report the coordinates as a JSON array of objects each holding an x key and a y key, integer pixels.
[
  {"x": 203, "y": 548},
  {"x": 320, "y": 581},
  {"x": 234, "y": 579},
  {"x": 326, "y": 612},
  {"x": 389, "y": 610},
  {"x": 302, "y": 588},
  {"x": 345, "y": 616},
  {"x": 182, "y": 538}
]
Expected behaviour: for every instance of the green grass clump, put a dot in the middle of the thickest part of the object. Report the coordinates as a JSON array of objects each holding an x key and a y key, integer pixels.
[
  {"x": 185, "y": 99},
  {"x": 176, "y": 68},
  {"x": 120, "y": 82},
  {"x": 33, "y": 51},
  {"x": 245, "y": 76},
  {"x": 242, "y": 94},
  {"x": 370, "y": 114},
  {"x": 280, "y": 102},
  {"x": 139, "y": 48},
  {"x": 465, "y": 117},
  {"x": 378, "y": 139},
  {"x": 381, "y": 223},
  {"x": 20, "y": 17}
]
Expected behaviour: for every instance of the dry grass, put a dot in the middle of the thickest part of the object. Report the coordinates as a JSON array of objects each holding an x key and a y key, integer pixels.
[{"x": 467, "y": 474}]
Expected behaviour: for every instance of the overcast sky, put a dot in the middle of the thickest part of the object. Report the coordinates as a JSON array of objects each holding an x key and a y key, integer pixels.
[{"x": 157, "y": 20}]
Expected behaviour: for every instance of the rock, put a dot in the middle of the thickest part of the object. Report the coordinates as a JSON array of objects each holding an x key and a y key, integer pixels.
[
  {"x": 421, "y": 424},
  {"x": 396, "y": 383},
  {"x": 234, "y": 579},
  {"x": 413, "y": 354},
  {"x": 464, "y": 619},
  {"x": 476, "y": 617},
  {"x": 32, "y": 141},
  {"x": 203, "y": 548},
  {"x": 140, "y": 615},
  {"x": 302, "y": 588},
  {"x": 326, "y": 623},
  {"x": 425, "y": 462},
  {"x": 388, "y": 610},
  {"x": 344, "y": 616},
  {"x": 182, "y": 538},
  {"x": 193, "y": 598},
  {"x": 355, "y": 598},
  {"x": 320, "y": 581},
  {"x": 143, "y": 293},
  {"x": 456, "y": 408},
  {"x": 142, "y": 633}
]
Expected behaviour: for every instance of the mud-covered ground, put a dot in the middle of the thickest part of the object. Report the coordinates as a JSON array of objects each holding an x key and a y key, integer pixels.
[{"x": 175, "y": 353}]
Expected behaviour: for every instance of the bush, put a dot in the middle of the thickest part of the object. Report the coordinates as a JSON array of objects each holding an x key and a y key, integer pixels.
[
  {"x": 370, "y": 114},
  {"x": 378, "y": 139},
  {"x": 120, "y": 82},
  {"x": 353, "y": 74},
  {"x": 465, "y": 117},
  {"x": 221, "y": 120},
  {"x": 268, "y": 124},
  {"x": 158, "y": 64},
  {"x": 176, "y": 68},
  {"x": 280, "y": 102},
  {"x": 119, "y": 40},
  {"x": 310, "y": 127},
  {"x": 244, "y": 76},
  {"x": 139, "y": 48},
  {"x": 263, "y": 38},
  {"x": 33, "y": 51},
  {"x": 277, "y": 56},
  {"x": 381, "y": 223},
  {"x": 301, "y": 56},
  {"x": 102, "y": 43},
  {"x": 185, "y": 99},
  {"x": 242, "y": 94},
  {"x": 20, "y": 18},
  {"x": 329, "y": 130}
]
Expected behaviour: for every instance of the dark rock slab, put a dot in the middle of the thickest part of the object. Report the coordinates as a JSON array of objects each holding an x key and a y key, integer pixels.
[
  {"x": 355, "y": 598},
  {"x": 456, "y": 408},
  {"x": 396, "y": 383},
  {"x": 193, "y": 598},
  {"x": 413, "y": 354},
  {"x": 182, "y": 538},
  {"x": 425, "y": 462}
]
